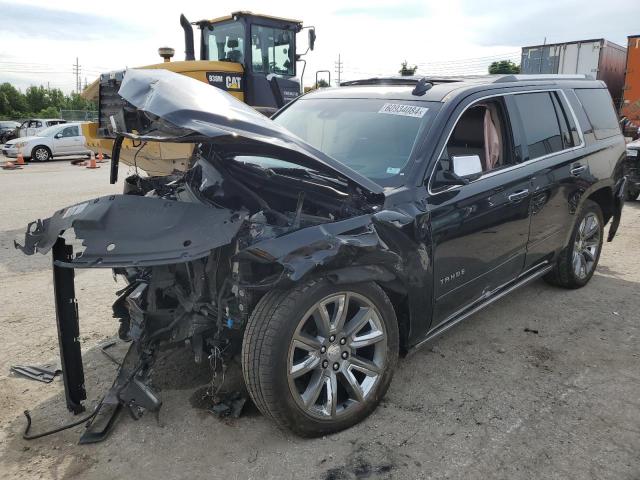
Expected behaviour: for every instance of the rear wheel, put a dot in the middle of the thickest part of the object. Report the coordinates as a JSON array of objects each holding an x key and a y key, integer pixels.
[
  {"x": 577, "y": 262},
  {"x": 319, "y": 358},
  {"x": 41, "y": 154}
]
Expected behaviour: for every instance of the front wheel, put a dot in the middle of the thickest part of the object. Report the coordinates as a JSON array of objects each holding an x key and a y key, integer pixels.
[
  {"x": 41, "y": 154},
  {"x": 631, "y": 194},
  {"x": 577, "y": 262},
  {"x": 319, "y": 358}
]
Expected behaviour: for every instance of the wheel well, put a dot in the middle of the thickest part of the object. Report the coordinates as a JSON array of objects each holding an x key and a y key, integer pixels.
[
  {"x": 604, "y": 199},
  {"x": 40, "y": 146},
  {"x": 400, "y": 303}
]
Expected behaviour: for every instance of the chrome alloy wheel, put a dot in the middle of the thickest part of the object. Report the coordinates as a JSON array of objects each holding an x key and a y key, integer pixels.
[
  {"x": 41, "y": 154},
  {"x": 586, "y": 245},
  {"x": 337, "y": 355}
]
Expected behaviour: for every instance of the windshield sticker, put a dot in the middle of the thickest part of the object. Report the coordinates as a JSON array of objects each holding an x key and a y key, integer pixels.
[
  {"x": 403, "y": 110},
  {"x": 393, "y": 170}
]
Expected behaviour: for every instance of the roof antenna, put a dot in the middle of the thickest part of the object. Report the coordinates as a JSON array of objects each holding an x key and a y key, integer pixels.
[{"x": 422, "y": 87}]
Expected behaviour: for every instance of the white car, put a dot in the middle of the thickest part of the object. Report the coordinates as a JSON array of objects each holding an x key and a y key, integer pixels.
[
  {"x": 59, "y": 140},
  {"x": 34, "y": 126}
]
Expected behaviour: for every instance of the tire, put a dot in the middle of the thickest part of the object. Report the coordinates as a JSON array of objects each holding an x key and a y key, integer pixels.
[
  {"x": 40, "y": 154},
  {"x": 567, "y": 272},
  {"x": 631, "y": 194},
  {"x": 270, "y": 356}
]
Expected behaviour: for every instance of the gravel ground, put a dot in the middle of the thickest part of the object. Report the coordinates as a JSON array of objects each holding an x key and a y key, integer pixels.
[{"x": 486, "y": 400}]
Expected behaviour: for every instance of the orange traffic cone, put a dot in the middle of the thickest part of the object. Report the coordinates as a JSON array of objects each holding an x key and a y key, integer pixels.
[
  {"x": 92, "y": 161},
  {"x": 100, "y": 156},
  {"x": 20, "y": 160}
]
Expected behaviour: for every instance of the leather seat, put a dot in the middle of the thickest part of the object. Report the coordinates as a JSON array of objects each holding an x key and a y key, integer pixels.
[{"x": 468, "y": 136}]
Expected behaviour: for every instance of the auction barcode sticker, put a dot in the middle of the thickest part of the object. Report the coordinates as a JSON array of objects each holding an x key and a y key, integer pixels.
[{"x": 403, "y": 110}]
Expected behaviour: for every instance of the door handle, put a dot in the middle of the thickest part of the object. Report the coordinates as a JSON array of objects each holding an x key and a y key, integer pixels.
[
  {"x": 575, "y": 171},
  {"x": 514, "y": 197}
]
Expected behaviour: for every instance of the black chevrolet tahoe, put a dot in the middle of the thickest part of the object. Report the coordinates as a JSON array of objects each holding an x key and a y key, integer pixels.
[{"x": 354, "y": 226}]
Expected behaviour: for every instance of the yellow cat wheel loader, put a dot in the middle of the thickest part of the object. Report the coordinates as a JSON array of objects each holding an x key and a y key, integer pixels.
[{"x": 251, "y": 56}]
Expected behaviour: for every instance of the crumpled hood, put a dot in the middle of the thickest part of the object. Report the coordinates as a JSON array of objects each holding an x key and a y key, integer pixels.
[{"x": 206, "y": 111}]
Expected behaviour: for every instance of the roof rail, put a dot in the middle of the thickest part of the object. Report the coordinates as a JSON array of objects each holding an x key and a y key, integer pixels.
[
  {"x": 381, "y": 81},
  {"x": 400, "y": 80},
  {"x": 533, "y": 77}
]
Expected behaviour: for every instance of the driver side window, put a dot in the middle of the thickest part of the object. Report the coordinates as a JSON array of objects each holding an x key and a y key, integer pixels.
[{"x": 479, "y": 143}]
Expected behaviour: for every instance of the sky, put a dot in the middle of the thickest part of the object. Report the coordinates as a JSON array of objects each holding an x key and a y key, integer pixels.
[{"x": 40, "y": 40}]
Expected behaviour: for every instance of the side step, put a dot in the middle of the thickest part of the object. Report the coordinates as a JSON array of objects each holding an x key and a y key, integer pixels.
[{"x": 522, "y": 281}]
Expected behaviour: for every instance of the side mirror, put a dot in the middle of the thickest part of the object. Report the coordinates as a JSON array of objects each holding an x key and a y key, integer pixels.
[
  {"x": 312, "y": 38},
  {"x": 464, "y": 169},
  {"x": 467, "y": 167},
  {"x": 58, "y": 135}
]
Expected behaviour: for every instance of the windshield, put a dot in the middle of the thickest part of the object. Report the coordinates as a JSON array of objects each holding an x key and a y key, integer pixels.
[
  {"x": 226, "y": 42},
  {"x": 272, "y": 50},
  {"x": 373, "y": 137},
  {"x": 48, "y": 132}
]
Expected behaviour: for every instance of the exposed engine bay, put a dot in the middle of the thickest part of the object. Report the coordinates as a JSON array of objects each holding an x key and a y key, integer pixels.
[{"x": 258, "y": 209}]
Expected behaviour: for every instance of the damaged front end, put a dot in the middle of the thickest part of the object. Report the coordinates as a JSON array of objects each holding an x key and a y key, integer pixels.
[{"x": 258, "y": 209}]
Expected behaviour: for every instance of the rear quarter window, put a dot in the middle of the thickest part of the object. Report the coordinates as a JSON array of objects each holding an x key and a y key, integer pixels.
[{"x": 599, "y": 108}]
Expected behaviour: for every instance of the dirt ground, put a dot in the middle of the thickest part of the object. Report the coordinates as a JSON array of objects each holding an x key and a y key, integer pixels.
[{"x": 488, "y": 399}]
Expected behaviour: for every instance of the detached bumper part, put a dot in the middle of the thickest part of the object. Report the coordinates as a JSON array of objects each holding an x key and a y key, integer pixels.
[
  {"x": 68, "y": 327},
  {"x": 165, "y": 231}
]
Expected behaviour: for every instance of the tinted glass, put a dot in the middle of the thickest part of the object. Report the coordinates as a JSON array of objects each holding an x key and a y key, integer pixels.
[
  {"x": 70, "y": 132},
  {"x": 540, "y": 123},
  {"x": 373, "y": 137},
  {"x": 567, "y": 139},
  {"x": 226, "y": 43},
  {"x": 272, "y": 50},
  {"x": 599, "y": 108}
]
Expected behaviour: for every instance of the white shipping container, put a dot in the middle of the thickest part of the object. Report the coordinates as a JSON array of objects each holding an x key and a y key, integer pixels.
[
  {"x": 582, "y": 58},
  {"x": 599, "y": 58}
]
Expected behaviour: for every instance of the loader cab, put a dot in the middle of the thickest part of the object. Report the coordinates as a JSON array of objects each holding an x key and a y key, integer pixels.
[{"x": 266, "y": 48}]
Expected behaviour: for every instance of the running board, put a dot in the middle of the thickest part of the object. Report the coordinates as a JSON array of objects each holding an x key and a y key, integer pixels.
[{"x": 458, "y": 318}]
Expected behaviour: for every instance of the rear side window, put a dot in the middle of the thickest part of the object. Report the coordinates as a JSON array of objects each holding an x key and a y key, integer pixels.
[
  {"x": 598, "y": 106},
  {"x": 540, "y": 123}
]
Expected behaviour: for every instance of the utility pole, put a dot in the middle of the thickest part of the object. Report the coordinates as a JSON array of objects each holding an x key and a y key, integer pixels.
[
  {"x": 76, "y": 72},
  {"x": 338, "y": 69}
]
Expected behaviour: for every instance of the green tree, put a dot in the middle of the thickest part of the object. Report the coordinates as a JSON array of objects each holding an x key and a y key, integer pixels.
[
  {"x": 37, "y": 98},
  {"x": 17, "y": 102},
  {"x": 406, "y": 70},
  {"x": 5, "y": 106},
  {"x": 56, "y": 98},
  {"x": 49, "y": 112},
  {"x": 322, "y": 83},
  {"x": 504, "y": 66},
  {"x": 38, "y": 101}
]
